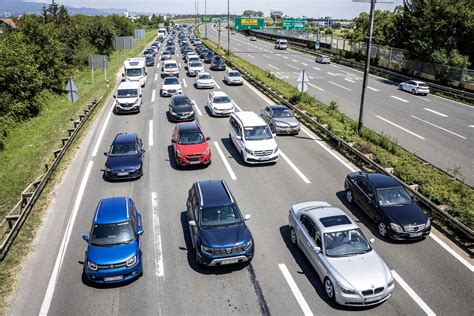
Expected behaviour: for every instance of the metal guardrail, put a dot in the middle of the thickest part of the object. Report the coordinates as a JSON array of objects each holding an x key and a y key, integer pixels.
[
  {"x": 350, "y": 152},
  {"x": 301, "y": 44},
  {"x": 11, "y": 224}
]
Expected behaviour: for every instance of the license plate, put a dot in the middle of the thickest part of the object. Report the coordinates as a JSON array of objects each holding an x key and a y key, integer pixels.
[
  {"x": 416, "y": 234},
  {"x": 122, "y": 174},
  {"x": 194, "y": 162},
  {"x": 372, "y": 299},
  {"x": 264, "y": 158},
  {"x": 230, "y": 261},
  {"x": 113, "y": 278}
]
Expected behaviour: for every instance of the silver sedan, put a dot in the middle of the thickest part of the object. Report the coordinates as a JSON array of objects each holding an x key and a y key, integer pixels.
[
  {"x": 352, "y": 272},
  {"x": 280, "y": 119}
]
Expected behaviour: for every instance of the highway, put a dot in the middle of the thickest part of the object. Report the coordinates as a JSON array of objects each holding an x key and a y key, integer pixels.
[
  {"x": 279, "y": 280},
  {"x": 439, "y": 130}
]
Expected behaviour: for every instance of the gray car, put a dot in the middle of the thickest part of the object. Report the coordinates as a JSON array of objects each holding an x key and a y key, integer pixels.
[
  {"x": 352, "y": 273},
  {"x": 280, "y": 119}
]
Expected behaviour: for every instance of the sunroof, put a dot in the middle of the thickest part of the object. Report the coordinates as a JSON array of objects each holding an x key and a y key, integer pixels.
[{"x": 335, "y": 220}]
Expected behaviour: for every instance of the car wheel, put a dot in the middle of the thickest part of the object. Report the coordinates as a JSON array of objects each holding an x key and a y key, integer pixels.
[
  {"x": 329, "y": 288},
  {"x": 293, "y": 238},
  {"x": 413, "y": 91},
  {"x": 382, "y": 229},
  {"x": 349, "y": 197}
]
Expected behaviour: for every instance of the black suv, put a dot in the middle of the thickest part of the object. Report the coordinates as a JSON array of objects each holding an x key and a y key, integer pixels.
[
  {"x": 217, "y": 64},
  {"x": 218, "y": 231},
  {"x": 181, "y": 108}
]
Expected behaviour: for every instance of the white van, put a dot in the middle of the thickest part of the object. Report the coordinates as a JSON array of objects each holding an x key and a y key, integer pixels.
[
  {"x": 253, "y": 138},
  {"x": 128, "y": 97},
  {"x": 135, "y": 70},
  {"x": 162, "y": 32},
  {"x": 281, "y": 44}
]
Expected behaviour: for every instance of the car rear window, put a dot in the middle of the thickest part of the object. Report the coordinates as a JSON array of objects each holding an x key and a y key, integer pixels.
[{"x": 335, "y": 220}]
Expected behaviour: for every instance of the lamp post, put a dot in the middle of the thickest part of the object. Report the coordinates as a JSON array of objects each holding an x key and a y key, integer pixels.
[
  {"x": 228, "y": 28},
  {"x": 205, "y": 18}
]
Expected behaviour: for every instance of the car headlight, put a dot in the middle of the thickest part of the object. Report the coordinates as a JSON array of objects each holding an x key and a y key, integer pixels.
[
  {"x": 191, "y": 113},
  {"x": 248, "y": 244},
  {"x": 180, "y": 153},
  {"x": 208, "y": 150},
  {"x": 391, "y": 282},
  {"x": 346, "y": 289},
  {"x": 91, "y": 265},
  {"x": 396, "y": 227},
  {"x": 248, "y": 151},
  {"x": 132, "y": 261},
  {"x": 136, "y": 167},
  {"x": 428, "y": 222},
  {"x": 207, "y": 250},
  {"x": 107, "y": 169}
]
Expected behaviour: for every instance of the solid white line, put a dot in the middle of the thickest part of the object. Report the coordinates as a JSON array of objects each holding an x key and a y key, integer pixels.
[
  {"x": 273, "y": 67},
  {"x": 153, "y": 95},
  {"x": 251, "y": 56},
  {"x": 330, "y": 73},
  {"x": 184, "y": 83},
  {"x": 264, "y": 97},
  {"x": 156, "y": 77},
  {"x": 452, "y": 252},
  {"x": 293, "y": 67},
  {"x": 373, "y": 89},
  {"x": 236, "y": 106},
  {"x": 277, "y": 74},
  {"x": 347, "y": 79},
  {"x": 403, "y": 100},
  {"x": 226, "y": 163},
  {"x": 295, "y": 168},
  {"x": 101, "y": 135},
  {"x": 150, "y": 133},
  {"x": 304, "y": 64},
  {"x": 316, "y": 68},
  {"x": 402, "y": 128},
  {"x": 296, "y": 291},
  {"x": 217, "y": 85},
  {"x": 322, "y": 144},
  {"x": 312, "y": 85},
  {"x": 441, "y": 128},
  {"x": 197, "y": 108},
  {"x": 266, "y": 56},
  {"x": 160, "y": 270},
  {"x": 412, "y": 293},
  {"x": 335, "y": 66},
  {"x": 435, "y": 112},
  {"x": 48, "y": 297},
  {"x": 339, "y": 86}
]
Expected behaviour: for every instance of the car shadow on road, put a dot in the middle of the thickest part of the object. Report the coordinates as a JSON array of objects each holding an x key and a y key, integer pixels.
[
  {"x": 192, "y": 257},
  {"x": 234, "y": 154}
]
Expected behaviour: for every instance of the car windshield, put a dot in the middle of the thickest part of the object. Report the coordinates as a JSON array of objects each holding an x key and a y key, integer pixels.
[
  {"x": 127, "y": 93},
  {"x": 191, "y": 138},
  {"x": 258, "y": 132},
  {"x": 234, "y": 74},
  {"x": 181, "y": 101},
  {"x": 171, "y": 65},
  {"x": 422, "y": 84},
  {"x": 134, "y": 72},
  {"x": 205, "y": 76},
  {"x": 346, "y": 243},
  {"x": 393, "y": 196},
  {"x": 125, "y": 149},
  {"x": 220, "y": 216},
  {"x": 171, "y": 81},
  {"x": 112, "y": 234},
  {"x": 196, "y": 65},
  {"x": 221, "y": 99},
  {"x": 282, "y": 113}
]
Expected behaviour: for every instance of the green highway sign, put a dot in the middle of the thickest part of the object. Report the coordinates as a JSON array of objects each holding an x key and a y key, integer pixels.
[
  {"x": 203, "y": 20},
  {"x": 293, "y": 24},
  {"x": 249, "y": 23}
]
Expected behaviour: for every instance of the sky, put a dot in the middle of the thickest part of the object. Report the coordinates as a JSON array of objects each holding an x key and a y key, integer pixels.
[{"x": 296, "y": 8}]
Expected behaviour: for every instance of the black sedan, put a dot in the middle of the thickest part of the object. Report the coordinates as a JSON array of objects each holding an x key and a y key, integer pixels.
[
  {"x": 388, "y": 204},
  {"x": 181, "y": 108}
]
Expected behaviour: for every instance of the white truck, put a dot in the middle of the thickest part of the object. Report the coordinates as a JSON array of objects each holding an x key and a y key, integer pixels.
[
  {"x": 135, "y": 70},
  {"x": 162, "y": 32}
]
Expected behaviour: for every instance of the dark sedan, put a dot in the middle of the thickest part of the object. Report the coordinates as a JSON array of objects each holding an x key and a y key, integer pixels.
[
  {"x": 209, "y": 57},
  {"x": 124, "y": 159},
  {"x": 218, "y": 64},
  {"x": 388, "y": 204},
  {"x": 181, "y": 109}
]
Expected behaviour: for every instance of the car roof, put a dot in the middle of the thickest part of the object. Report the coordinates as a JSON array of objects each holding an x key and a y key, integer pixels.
[
  {"x": 188, "y": 127},
  {"x": 278, "y": 107},
  {"x": 214, "y": 193},
  {"x": 379, "y": 180},
  {"x": 203, "y": 73},
  {"x": 179, "y": 96},
  {"x": 112, "y": 210},
  {"x": 129, "y": 85},
  {"x": 418, "y": 81},
  {"x": 219, "y": 94},
  {"x": 170, "y": 61},
  {"x": 249, "y": 118},
  {"x": 321, "y": 210},
  {"x": 124, "y": 138}
]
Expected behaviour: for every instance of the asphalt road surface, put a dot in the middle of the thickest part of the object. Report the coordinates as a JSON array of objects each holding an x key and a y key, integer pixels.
[
  {"x": 428, "y": 279},
  {"x": 439, "y": 130}
]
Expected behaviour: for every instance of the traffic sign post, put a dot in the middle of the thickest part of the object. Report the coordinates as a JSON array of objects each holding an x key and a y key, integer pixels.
[
  {"x": 249, "y": 23},
  {"x": 72, "y": 94},
  {"x": 317, "y": 43},
  {"x": 302, "y": 82},
  {"x": 293, "y": 24}
]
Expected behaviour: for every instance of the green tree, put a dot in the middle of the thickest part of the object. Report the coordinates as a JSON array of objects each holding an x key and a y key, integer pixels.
[
  {"x": 123, "y": 26},
  {"x": 383, "y": 31}
]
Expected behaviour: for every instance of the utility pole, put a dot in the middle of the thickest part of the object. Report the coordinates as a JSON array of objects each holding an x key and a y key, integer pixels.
[
  {"x": 219, "y": 35},
  {"x": 195, "y": 13},
  {"x": 205, "y": 17},
  {"x": 228, "y": 28}
]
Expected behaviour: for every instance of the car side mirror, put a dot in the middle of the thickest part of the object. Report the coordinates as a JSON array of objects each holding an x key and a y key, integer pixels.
[
  {"x": 85, "y": 237},
  {"x": 123, "y": 75},
  {"x": 115, "y": 97},
  {"x": 247, "y": 217},
  {"x": 140, "y": 232},
  {"x": 317, "y": 249},
  {"x": 173, "y": 141},
  {"x": 192, "y": 223},
  {"x": 208, "y": 138},
  {"x": 238, "y": 137},
  {"x": 105, "y": 154},
  {"x": 141, "y": 95},
  {"x": 372, "y": 240}
]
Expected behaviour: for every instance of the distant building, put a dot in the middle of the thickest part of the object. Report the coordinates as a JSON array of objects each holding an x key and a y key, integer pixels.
[{"x": 6, "y": 24}]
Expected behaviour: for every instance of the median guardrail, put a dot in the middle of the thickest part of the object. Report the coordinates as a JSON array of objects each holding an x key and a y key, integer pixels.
[{"x": 11, "y": 224}]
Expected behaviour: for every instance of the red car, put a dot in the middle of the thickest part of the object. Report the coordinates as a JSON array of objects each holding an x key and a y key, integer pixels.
[{"x": 190, "y": 145}]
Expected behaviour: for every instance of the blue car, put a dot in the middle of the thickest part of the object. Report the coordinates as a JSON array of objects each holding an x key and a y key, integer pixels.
[
  {"x": 149, "y": 61},
  {"x": 218, "y": 231},
  {"x": 113, "y": 245},
  {"x": 125, "y": 157}
]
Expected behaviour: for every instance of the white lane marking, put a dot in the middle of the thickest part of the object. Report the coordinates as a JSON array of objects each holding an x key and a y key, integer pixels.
[
  {"x": 294, "y": 60},
  {"x": 304, "y": 64},
  {"x": 261, "y": 95},
  {"x": 48, "y": 297},
  {"x": 278, "y": 54},
  {"x": 330, "y": 73},
  {"x": 184, "y": 83},
  {"x": 296, "y": 291},
  {"x": 295, "y": 168},
  {"x": 160, "y": 270},
  {"x": 449, "y": 100},
  {"x": 312, "y": 85},
  {"x": 286, "y": 57},
  {"x": 339, "y": 86},
  {"x": 420, "y": 98},
  {"x": 436, "y": 112},
  {"x": 471, "y": 125},
  {"x": 277, "y": 74},
  {"x": 293, "y": 67},
  {"x": 179, "y": 65},
  {"x": 158, "y": 66},
  {"x": 153, "y": 95},
  {"x": 251, "y": 56},
  {"x": 217, "y": 85},
  {"x": 273, "y": 67},
  {"x": 150, "y": 134},
  {"x": 323, "y": 145},
  {"x": 347, "y": 79},
  {"x": 441, "y": 128},
  {"x": 266, "y": 56},
  {"x": 226, "y": 163},
  {"x": 197, "y": 108},
  {"x": 335, "y": 66},
  {"x": 412, "y": 293},
  {"x": 101, "y": 135},
  {"x": 400, "y": 99},
  {"x": 236, "y": 106},
  {"x": 452, "y": 252},
  {"x": 156, "y": 77},
  {"x": 316, "y": 68},
  {"x": 373, "y": 89},
  {"x": 402, "y": 128}
]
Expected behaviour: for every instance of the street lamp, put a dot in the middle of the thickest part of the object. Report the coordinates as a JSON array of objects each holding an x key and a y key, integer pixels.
[
  {"x": 228, "y": 28},
  {"x": 205, "y": 18}
]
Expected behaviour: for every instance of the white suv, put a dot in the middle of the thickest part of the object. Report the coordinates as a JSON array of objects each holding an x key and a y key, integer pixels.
[
  {"x": 169, "y": 68},
  {"x": 253, "y": 138},
  {"x": 219, "y": 104}
]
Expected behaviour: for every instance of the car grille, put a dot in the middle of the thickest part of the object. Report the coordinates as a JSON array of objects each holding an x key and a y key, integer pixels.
[
  {"x": 111, "y": 266},
  {"x": 194, "y": 157},
  {"x": 227, "y": 251},
  {"x": 414, "y": 228},
  {"x": 263, "y": 153},
  {"x": 171, "y": 91},
  {"x": 372, "y": 292},
  {"x": 126, "y": 105}
]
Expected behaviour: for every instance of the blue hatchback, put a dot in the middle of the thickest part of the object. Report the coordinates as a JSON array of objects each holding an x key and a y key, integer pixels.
[
  {"x": 125, "y": 157},
  {"x": 113, "y": 252}
]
